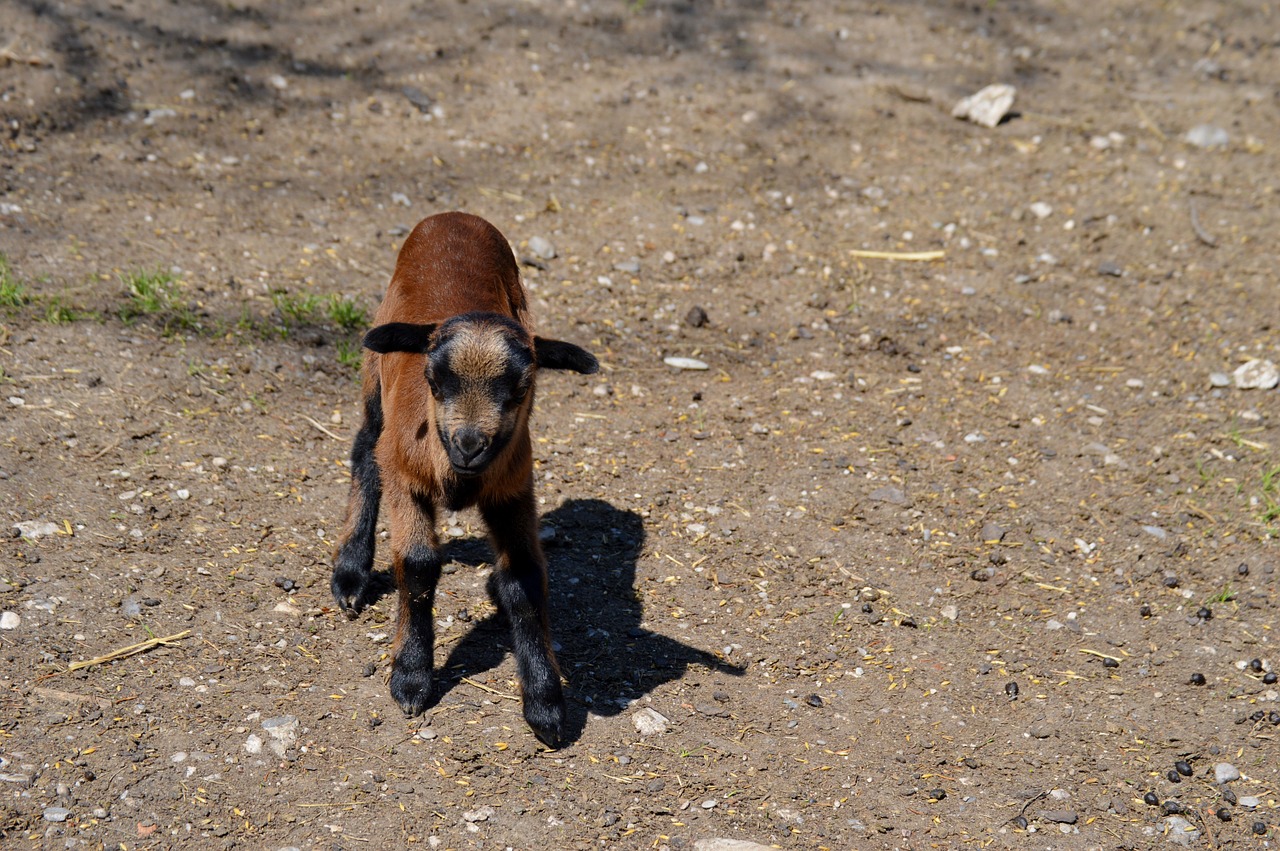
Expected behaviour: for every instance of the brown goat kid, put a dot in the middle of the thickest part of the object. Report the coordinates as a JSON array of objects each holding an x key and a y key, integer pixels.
[{"x": 448, "y": 384}]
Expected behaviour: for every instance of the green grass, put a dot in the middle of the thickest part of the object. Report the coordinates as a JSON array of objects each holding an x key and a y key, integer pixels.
[
  {"x": 349, "y": 354},
  {"x": 58, "y": 312},
  {"x": 346, "y": 314},
  {"x": 1226, "y": 595},
  {"x": 296, "y": 309},
  {"x": 155, "y": 293},
  {"x": 12, "y": 293}
]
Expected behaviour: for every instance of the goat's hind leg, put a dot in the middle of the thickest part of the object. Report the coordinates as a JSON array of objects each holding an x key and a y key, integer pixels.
[
  {"x": 352, "y": 579},
  {"x": 415, "y": 555},
  {"x": 520, "y": 585}
]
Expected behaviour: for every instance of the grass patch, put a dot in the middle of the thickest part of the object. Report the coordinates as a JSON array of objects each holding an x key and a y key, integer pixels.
[
  {"x": 296, "y": 310},
  {"x": 155, "y": 294},
  {"x": 350, "y": 354},
  {"x": 58, "y": 312},
  {"x": 12, "y": 293},
  {"x": 1226, "y": 595},
  {"x": 346, "y": 314}
]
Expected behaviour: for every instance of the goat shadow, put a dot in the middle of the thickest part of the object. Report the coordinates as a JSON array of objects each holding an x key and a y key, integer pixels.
[{"x": 608, "y": 658}]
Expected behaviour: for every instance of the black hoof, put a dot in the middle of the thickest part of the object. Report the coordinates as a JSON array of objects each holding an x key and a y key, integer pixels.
[
  {"x": 546, "y": 720},
  {"x": 411, "y": 689},
  {"x": 350, "y": 589}
]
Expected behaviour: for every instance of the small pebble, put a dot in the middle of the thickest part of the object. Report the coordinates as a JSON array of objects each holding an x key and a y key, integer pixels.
[
  {"x": 1225, "y": 772},
  {"x": 1207, "y": 136},
  {"x": 685, "y": 363},
  {"x": 1250, "y": 802},
  {"x": 1256, "y": 375},
  {"x": 542, "y": 247},
  {"x": 649, "y": 722},
  {"x": 10, "y": 620},
  {"x": 1180, "y": 831},
  {"x": 987, "y": 106}
]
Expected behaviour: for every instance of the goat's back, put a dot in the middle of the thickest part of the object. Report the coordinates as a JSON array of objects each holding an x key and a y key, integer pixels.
[{"x": 453, "y": 263}]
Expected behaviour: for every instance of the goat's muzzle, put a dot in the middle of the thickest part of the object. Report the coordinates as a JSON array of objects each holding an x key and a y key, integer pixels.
[{"x": 469, "y": 451}]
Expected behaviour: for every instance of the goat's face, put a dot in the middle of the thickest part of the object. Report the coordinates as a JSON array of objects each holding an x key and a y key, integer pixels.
[
  {"x": 480, "y": 374},
  {"x": 480, "y": 368}
]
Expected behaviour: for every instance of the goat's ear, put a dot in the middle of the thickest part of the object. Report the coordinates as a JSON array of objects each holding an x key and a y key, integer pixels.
[
  {"x": 557, "y": 354},
  {"x": 399, "y": 337}
]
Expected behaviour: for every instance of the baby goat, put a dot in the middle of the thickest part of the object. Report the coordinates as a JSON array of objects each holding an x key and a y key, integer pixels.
[{"x": 448, "y": 382}]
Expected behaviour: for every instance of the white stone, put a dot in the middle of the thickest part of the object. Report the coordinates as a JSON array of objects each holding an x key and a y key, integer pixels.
[
  {"x": 283, "y": 733},
  {"x": 542, "y": 247},
  {"x": 650, "y": 722},
  {"x": 729, "y": 845},
  {"x": 685, "y": 363},
  {"x": 33, "y": 529},
  {"x": 950, "y": 612},
  {"x": 1256, "y": 374},
  {"x": 1207, "y": 136},
  {"x": 1225, "y": 772},
  {"x": 987, "y": 106},
  {"x": 10, "y": 620},
  {"x": 1179, "y": 831},
  {"x": 482, "y": 814},
  {"x": 1041, "y": 210},
  {"x": 253, "y": 744}
]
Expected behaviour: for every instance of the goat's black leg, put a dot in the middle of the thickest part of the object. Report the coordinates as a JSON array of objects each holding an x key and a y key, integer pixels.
[
  {"x": 520, "y": 585},
  {"x": 353, "y": 558},
  {"x": 415, "y": 554}
]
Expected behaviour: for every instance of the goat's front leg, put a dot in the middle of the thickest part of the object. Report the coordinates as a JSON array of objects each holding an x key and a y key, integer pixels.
[
  {"x": 520, "y": 585},
  {"x": 415, "y": 554},
  {"x": 353, "y": 558}
]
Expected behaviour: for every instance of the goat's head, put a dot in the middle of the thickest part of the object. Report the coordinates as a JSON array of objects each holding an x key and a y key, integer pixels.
[{"x": 480, "y": 368}]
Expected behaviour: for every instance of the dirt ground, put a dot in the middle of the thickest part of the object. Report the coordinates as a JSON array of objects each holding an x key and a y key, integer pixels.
[{"x": 966, "y": 551}]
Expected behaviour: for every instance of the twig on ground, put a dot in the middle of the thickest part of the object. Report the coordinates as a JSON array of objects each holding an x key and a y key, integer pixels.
[
  {"x": 322, "y": 428},
  {"x": 488, "y": 689},
  {"x": 123, "y": 652},
  {"x": 1201, "y": 234},
  {"x": 898, "y": 255}
]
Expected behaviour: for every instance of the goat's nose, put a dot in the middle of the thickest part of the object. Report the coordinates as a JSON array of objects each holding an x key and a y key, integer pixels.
[{"x": 469, "y": 442}]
